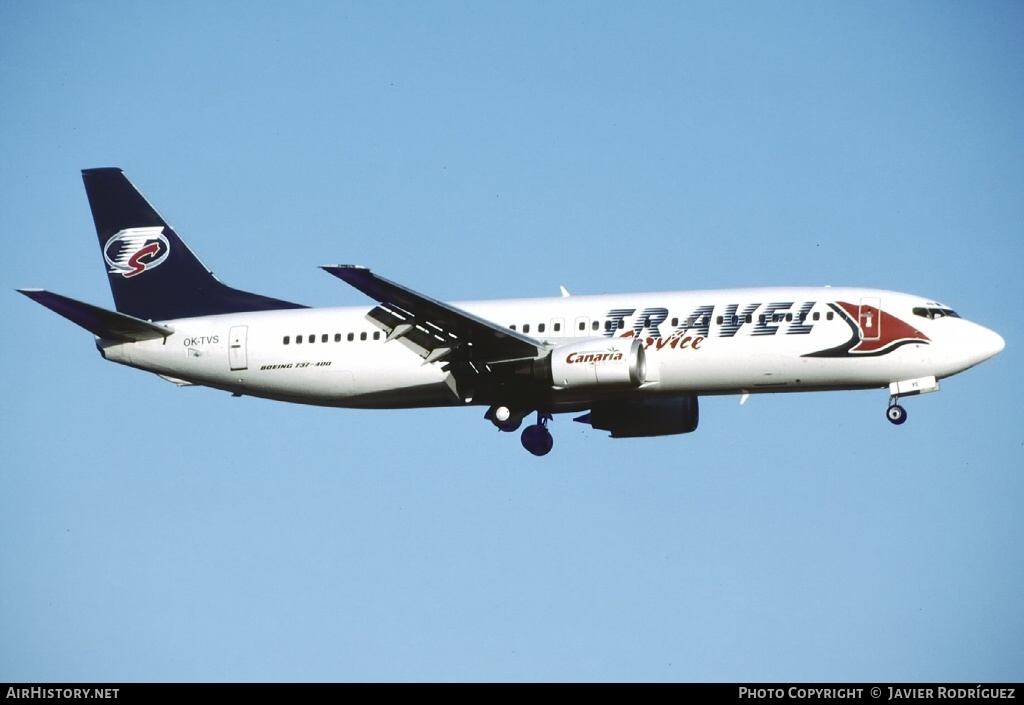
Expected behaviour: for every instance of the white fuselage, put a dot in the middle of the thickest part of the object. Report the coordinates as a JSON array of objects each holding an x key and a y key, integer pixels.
[{"x": 699, "y": 342}]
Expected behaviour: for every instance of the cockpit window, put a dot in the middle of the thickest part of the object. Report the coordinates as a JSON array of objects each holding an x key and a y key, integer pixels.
[{"x": 934, "y": 312}]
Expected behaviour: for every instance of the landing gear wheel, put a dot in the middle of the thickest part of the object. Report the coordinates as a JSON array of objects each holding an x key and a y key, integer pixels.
[
  {"x": 504, "y": 418},
  {"x": 537, "y": 440},
  {"x": 896, "y": 414},
  {"x": 510, "y": 425}
]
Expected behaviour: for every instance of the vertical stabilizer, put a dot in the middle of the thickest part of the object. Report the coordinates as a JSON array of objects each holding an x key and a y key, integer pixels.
[{"x": 153, "y": 274}]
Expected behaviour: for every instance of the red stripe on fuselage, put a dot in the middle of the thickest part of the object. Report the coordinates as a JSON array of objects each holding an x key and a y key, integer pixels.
[{"x": 892, "y": 330}]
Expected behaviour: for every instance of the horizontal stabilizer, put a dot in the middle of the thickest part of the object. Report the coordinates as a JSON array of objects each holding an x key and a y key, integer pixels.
[{"x": 109, "y": 325}]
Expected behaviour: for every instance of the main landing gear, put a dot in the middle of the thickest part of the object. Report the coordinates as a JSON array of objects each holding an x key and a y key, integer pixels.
[
  {"x": 536, "y": 438},
  {"x": 895, "y": 413}
]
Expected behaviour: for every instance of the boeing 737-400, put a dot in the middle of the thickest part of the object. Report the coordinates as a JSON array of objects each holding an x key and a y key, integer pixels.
[{"x": 630, "y": 364}]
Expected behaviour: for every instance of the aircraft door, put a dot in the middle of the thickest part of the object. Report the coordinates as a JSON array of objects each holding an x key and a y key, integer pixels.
[
  {"x": 870, "y": 318},
  {"x": 237, "y": 356}
]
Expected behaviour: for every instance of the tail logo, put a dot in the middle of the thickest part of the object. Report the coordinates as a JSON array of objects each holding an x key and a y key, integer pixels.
[{"x": 135, "y": 250}]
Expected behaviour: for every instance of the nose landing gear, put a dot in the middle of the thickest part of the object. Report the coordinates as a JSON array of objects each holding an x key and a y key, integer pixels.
[
  {"x": 895, "y": 413},
  {"x": 905, "y": 388}
]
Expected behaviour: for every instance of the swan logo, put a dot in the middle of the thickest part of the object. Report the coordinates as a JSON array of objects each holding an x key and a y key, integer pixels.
[{"x": 136, "y": 250}]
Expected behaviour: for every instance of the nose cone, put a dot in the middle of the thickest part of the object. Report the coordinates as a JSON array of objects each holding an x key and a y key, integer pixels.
[{"x": 985, "y": 343}]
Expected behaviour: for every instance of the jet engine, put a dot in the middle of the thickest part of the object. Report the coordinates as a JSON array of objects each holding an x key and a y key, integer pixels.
[
  {"x": 607, "y": 362},
  {"x": 644, "y": 417}
]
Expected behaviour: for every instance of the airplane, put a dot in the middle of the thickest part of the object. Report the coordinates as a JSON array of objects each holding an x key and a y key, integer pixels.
[{"x": 631, "y": 364}]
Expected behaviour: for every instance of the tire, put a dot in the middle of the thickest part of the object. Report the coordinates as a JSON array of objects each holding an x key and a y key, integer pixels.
[
  {"x": 537, "y": 440},
  {"x": 896, "y": 414}
]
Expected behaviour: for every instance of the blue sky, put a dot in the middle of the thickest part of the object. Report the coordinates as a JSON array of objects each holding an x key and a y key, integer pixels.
[{"x": 476, "y": 150}]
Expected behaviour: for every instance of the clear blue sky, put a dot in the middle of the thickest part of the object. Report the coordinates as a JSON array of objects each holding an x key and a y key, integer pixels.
[{"x": 475, "y": 150}]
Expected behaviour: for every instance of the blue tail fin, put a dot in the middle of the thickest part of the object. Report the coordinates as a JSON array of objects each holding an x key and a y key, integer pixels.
[{"x": 153, "y": 274}]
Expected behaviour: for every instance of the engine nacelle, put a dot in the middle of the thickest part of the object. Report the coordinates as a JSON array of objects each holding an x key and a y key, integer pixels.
[
  {"x": 610, "y": 362},
  {"x": 644, "y": 417}
]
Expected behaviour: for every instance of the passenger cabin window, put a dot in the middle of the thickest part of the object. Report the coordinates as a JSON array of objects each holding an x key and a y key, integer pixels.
[
  {"x": 829, "y": 316},
  {"x": 540, "y": 327},
  {"x": 583, "y": 326},
  {"x": 816, "y": 316},
  {"x": 337, "y": 337},
  {"x": 376, "y": 335},
  {"x": 351, "y": 337},
  {"x": 362, "y": 336},
  {"x": 323, "y": 338},
  {"x": 557, "y": 327},
  {"x": 298, "y": 340},
  {"x": 596, "y": 325},
  {"x": 312, "y": 338},
  {"x": 526, "y": 327},
  {"x": 287, "y": 339}
]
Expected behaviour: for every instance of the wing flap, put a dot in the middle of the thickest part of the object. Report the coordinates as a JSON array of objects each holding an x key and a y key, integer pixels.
[{"x": 402, "y": 326}]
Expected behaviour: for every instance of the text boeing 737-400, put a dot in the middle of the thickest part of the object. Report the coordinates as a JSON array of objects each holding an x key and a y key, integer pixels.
[{"x": 633, "y": 364}]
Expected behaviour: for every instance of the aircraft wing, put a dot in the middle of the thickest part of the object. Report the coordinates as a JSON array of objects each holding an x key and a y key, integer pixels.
[{"x": 436, "y": 331}]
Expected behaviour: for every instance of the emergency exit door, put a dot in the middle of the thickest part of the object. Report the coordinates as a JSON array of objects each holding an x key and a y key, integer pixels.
[{"x": 236, "y": 347}]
